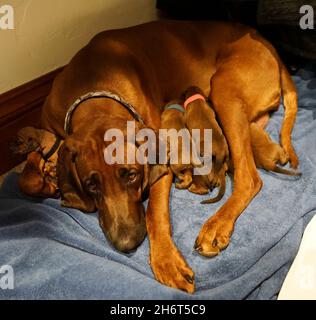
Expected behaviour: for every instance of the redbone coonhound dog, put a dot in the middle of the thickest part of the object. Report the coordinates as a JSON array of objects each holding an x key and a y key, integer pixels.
[{"x": 149, "y": 65}]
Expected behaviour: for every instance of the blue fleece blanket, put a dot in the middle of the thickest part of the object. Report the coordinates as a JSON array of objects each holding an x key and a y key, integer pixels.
[{"x": 60, "y": 253}]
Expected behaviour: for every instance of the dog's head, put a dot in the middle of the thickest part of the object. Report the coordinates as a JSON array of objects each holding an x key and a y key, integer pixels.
[{"x": 88, "y": 182}]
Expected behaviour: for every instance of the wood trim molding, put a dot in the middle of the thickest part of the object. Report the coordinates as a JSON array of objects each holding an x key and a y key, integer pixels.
[{"x": 21, "y": 107}]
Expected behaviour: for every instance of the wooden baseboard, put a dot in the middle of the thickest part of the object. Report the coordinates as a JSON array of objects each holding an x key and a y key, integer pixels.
[{"x": 21, "y": 107}]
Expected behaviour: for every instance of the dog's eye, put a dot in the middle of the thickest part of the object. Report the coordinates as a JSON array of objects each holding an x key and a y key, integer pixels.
[
  {"x": 129, "y": 176},
  {"x": 132, "y": 176},
  {"x": 91, "y": 186}
]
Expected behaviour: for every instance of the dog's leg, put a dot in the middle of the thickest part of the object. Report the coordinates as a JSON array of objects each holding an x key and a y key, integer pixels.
[
  {"x": 215, "y": 233},
  {"x": 290, "y": 106},
  {"x": 267, "y": 153},
  {"x": 166, "y": 261}
]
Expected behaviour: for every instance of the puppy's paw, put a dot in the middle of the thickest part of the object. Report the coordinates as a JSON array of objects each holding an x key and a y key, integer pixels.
[
  {"x": 214, "y": 237},
  {"x": 184, "y": 183},
  {"x": 198, "y": 189}
]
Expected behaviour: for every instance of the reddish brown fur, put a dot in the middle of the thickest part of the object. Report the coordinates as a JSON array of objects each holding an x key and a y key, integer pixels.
[
  {"x": 174, "y": 119},
  {"x": 199, "y": 115},
  {"x": 148, "y": 65},
  {"x": 268, "y": 154},
  {"x": 38, "y": 177}
]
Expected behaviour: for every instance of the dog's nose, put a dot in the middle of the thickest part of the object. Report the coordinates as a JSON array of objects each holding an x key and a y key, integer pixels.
[
  {"x": 124, "y": 231},
  {"x": 127, "y": 238},
  {"x": 126, "y": 245},
  {"x": 129, "y": 244}
]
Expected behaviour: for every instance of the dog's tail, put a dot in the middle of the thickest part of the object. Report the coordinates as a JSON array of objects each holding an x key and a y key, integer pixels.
[
  {"x": 290, "y": 108},
  {"x": 278, "y": 169},
  {"x": 220, "y": 194}
]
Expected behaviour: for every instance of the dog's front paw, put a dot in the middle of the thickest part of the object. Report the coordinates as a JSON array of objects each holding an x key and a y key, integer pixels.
[
  {"x": 170, "y": 268},
  {"x": 214, "y": 237}
]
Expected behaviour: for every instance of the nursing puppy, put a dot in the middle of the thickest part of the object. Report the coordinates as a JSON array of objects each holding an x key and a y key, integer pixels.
[
  {"x": 173, "y": 118},
  {"x": 38, "y": 178},
  {"x": 199, "y": 115}
]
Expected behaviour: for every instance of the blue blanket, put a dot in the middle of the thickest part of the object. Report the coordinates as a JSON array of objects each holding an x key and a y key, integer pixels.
[{"x": 60, "y": 253}]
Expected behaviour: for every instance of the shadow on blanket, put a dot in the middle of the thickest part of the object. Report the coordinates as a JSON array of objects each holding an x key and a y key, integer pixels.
[{"x": 60, "y": 253}]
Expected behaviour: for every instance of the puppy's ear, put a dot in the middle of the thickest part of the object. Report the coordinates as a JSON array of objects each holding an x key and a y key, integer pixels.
[
  {"x": 26, "y": 141},
  {"x": 72, "y": 192}
]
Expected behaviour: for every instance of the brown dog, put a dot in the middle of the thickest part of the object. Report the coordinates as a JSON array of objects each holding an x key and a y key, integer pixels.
[
  {"x": 147, "y": 65},
  {"x": 199, "y": 115},
  {"x": 173, "y": 118},
  {"x": 38, "y": 177}
]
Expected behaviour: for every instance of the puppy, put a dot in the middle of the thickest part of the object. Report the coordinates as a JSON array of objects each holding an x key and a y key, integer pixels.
[
  {"x": 268, "y": 154},
  {"x": 199, "y": 115},
  {"x": 38, "y": 177},
  {"x": 173, "y": 118}
]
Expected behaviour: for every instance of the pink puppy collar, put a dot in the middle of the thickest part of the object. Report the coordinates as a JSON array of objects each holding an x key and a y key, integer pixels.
[{"x": 195, "y": 97}]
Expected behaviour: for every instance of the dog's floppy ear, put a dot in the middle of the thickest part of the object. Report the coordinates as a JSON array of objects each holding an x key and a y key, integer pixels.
[
  {"x": 72, "y": 192},
  {"x": 26, "y": 140}
]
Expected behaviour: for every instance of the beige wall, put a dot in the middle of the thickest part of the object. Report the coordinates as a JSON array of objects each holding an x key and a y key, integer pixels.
[{"x": 48, "y": 32}]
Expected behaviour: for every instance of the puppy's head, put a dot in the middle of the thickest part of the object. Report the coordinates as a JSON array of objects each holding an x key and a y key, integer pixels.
[
  {"x": 192, "y": 90},
  {"x": 27, "y": 139},
  {"x": 30, "y": 139}
]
